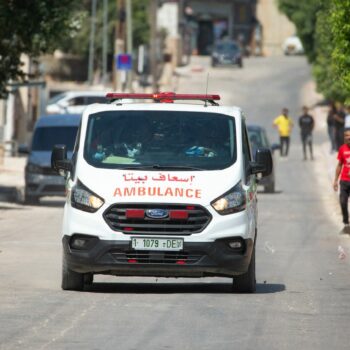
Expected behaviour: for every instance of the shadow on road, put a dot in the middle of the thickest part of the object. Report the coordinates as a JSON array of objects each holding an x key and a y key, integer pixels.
[
  {"x": 54, "y": 203},
  {"x": 269, "y": 288},
  {"x": 3, "y": 207},
  {"x": 169, "y": 288},
  {"x": 274, "y": 192}
]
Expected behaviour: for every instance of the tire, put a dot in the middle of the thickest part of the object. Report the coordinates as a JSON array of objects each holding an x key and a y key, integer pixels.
[
  {"x": 28, "y": 199},
  {"x": 71, "y": 280},
  {"x": 270, "y": 188},
  {"x": 246, "y": 283},
  {"x": 88, "y": 279}
]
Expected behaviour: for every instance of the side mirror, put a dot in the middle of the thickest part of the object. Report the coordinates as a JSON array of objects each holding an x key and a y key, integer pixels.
[
  {"x": 263, "y": 162},
  {"x": 23, "y": 149},
  {"x": 59, "y": 161}
]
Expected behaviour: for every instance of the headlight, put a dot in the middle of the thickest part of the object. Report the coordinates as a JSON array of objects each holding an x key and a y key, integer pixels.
[
  {"x": 84, "y": 199},
  {"x": 33, "y": 168},
  {"x": 230, "y": 202}
]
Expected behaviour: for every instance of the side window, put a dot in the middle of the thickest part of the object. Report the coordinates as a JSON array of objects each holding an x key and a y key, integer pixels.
[
  {"x": 95, "y": 99},
  {"x": 77, "y": 101},
  {"x": 246, "y": 149}
]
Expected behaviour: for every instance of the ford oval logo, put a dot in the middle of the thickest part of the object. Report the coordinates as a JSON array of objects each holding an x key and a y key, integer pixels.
[{"x": 157, "y": 213}]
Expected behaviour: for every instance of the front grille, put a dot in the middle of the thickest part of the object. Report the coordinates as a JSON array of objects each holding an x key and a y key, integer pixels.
[
  {"x": 155, "y": 257},
  {"x": 32, "y": 187},
  {"x": 48, "y": 171},
  {"x": 54, "y": 188},
  {"x": 198, "y": 218}
]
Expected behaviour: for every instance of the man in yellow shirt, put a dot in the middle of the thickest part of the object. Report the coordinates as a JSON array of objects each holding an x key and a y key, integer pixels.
[{"x": 284, "y": 124}]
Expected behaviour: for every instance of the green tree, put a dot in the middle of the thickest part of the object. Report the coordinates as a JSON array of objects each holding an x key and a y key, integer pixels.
[
  {"x": 30, "y": 27},
  {"x": 304, "y": 15},
  {"x": 324, "y": 68},
  {"x": 79, "y": 43},
  {"x": 141, "y": 30},
  {"x": 323, "y": 27},
  {"x": 341, "y": 53}
]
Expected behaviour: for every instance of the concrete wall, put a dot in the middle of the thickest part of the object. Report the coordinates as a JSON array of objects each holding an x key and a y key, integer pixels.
[{"x": 276, "y": 27}]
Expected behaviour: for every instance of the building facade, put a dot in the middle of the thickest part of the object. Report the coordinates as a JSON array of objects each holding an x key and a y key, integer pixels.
[
  {"x": 206, "y": 21},
  {"x": 276, "y": 27}
]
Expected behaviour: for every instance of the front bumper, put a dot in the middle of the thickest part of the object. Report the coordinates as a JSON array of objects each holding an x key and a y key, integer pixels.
[
  {"x": 198, "y": 259},
  {"x": 227, "y": 61},
  {"x": 40, "y": 185}
]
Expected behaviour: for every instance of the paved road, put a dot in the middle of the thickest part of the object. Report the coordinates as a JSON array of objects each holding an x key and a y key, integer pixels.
[{"x": 302, "y": 298}]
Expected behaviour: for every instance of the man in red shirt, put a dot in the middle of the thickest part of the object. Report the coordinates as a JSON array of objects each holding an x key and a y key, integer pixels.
[{"x": 343, "y": 169}]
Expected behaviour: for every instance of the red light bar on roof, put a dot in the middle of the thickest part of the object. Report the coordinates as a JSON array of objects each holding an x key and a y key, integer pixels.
[{"x": 163, "y": 97}]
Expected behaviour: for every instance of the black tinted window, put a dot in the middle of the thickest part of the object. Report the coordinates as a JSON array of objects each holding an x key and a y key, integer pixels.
[
  {"x": 77, "y": 101},
  {"x": 227, "y": 47},
  {"x": 257, "y": 138},
  {"x": 46, "y": 137},
  {"x": 95, "y": 99},
  {"x": 164, "y": 138}
]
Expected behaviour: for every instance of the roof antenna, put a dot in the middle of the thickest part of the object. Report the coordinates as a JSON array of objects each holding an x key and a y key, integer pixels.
[{"x": 206, "y": 92}]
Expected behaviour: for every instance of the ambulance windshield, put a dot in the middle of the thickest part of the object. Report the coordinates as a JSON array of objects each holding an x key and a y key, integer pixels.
[{"x": 139, "y": 139}]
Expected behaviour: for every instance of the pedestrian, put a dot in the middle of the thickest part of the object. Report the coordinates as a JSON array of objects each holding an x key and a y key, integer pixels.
[
  {"x": 306, "y": 124},
  {"x": 339, "y": 121},
  {"x": 330, "y": 125},
  {"x": 347, "y": 117},
  {"x": 284, "y": 124},
  {"x": 343, "y": 171}
]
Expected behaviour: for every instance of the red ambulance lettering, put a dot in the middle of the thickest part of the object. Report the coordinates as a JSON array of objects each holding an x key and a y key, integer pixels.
[{"x": 157, "y": 191}]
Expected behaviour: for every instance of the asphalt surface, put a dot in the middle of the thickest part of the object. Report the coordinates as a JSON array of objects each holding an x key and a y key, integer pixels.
[{"x": 302, "y": 298}]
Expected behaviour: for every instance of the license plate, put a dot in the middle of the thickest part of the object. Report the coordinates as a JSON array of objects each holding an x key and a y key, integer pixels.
[{"x": 147, "y": 243}]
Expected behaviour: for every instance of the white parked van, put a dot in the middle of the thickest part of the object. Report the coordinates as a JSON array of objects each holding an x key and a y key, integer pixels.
[{"x": 161, "y": 189}]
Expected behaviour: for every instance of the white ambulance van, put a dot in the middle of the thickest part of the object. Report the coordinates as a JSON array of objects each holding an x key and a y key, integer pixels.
[{"x": 163, "y": 189}]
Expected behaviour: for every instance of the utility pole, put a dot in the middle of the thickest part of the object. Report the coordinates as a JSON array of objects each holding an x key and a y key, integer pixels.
[
  {"x": 118, "y": 43},
  {"x": 92, "y": 46},
  {"x": 153, "y": 44},
  {"x": 104, "y": 42},
  {"x": 129, "y": 44}
]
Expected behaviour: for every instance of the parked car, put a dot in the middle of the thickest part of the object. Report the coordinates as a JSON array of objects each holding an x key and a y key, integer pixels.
[
  {"x": 226, "y": 52},
  {"x": 74, "y": 102},
  {"x": 258, "y": 139},
  {"x": 292, "y": 46},
  {"x": 40, "y": 179}
]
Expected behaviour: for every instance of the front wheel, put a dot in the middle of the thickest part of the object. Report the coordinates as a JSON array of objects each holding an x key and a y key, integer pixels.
[
  {"x": 270, "y": 188},
  {"x": 30, "y": 199},
  {"x": 246, "y": 283},
  {"x": 71, "y": 280}
]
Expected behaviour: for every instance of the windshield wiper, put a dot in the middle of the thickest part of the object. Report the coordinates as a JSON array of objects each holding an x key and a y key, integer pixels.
[{"x": 162, "y": 167}]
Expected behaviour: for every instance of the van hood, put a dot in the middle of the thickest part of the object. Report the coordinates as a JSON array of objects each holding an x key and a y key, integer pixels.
[{"x": 196, "y": 187}]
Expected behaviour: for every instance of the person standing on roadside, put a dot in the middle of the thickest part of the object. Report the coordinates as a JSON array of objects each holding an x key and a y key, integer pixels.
[
  {"x": 307, "y": 124},
  {"x": 339, "y": 121},
  {"x": 284, "y": 124},
  {"x": 330, "y": 126},
  {"x": 343, "y": 170},
  {"x": 347, "y": 117}
]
